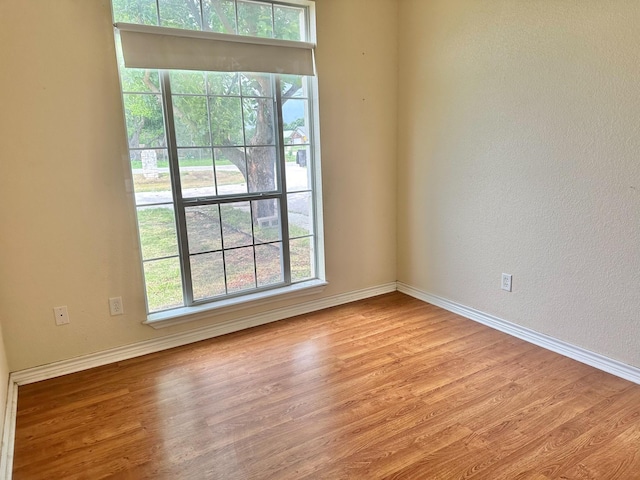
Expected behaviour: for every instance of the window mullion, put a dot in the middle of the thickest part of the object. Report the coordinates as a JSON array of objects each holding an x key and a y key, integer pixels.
[
  {"x": 158, "y": 12},
  {"x": 235, "y": 7},
  {"x": 273, "y": 20},
  {"x": 174, "y": 172},
  {"x": 244, "y": 197},
  {"x": 211, "y": 143},
  {"x": 224, "y": 259},
  {"x": 253, "y": 246},
  {"x": 282, "y": 181}
]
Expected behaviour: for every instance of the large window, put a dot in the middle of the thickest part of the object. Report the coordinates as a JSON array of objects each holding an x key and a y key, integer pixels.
[{"x": 224, "y": 163}]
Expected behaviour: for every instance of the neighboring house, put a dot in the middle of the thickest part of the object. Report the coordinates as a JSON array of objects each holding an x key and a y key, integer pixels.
[{"x": 296, "y": 137}]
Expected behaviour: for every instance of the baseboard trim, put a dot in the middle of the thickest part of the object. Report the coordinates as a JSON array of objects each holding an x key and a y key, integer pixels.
[
  {"x": 64, "y": 367},
  {"x": 9, "y": 431},
  {"x": 588, "y": 357}
]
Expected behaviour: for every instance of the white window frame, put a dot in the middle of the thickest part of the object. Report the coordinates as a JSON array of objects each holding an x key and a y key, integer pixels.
[{"x": 197, "y": 309}]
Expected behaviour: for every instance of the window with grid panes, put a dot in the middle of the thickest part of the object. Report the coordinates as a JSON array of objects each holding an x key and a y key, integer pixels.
[{"x": 223, "y": 162}]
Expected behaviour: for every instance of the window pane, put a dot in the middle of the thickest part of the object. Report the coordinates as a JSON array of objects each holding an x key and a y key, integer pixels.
[
  {"x": 289, "y": 23},
  {"x": 256, "y": 85},
  {"x": 222, "y": 83},
  {"x": 269, "y": 264},
  {"x": 259, "y": 122},
  {"x": 266, "y": 222},
  {"x": 230, "y": 165},
  {"x": 236, "y": 224},
  {"x": 255, "y": 19},
  {"x": 295, "y": 114},
  {"x": 157, "y": 227},
  {"x": 191, "y": 121},
  {"x": 297, "y": 168},
  {"x": 138, "y": 80},
  {"x": 142, "y": 12},
  {"x": 220, "y": 16},
  {"x": 164, "y": 284},
  {"x": 151, "y": 179},
  {"x": 300, "y": 207},
  {"x": 207, "y": 275},
  {"x": 226, "y": 121},
  {"x": 187, "y": 82},
  {"x": 240, "y": 267},
  {"x": 293, "y": 86},
  {"x": 203, "y": 228},
  {"x": 180, "y": 14},
  {"x": 145, "y": 122},
  {"x": 302, "y": 261},
  {"x": 261, "y": 165},
  {"x": 196, "y": 172}
]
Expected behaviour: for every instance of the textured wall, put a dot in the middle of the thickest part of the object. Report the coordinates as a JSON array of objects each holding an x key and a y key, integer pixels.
[
  {"x": 357, "y": 71},
  {"x": 519, "y": 142},
  {"x": 69, "y": 235}
]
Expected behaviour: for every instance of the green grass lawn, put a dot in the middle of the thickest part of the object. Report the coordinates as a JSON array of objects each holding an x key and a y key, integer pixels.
[
  {"x": 191, "y": 162},
  {"x": 163, "y": 277},
  {"x": 196, "y": 179}
]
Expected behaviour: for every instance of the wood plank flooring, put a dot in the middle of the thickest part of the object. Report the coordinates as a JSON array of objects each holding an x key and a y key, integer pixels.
[{"x": 388, "y": 387}]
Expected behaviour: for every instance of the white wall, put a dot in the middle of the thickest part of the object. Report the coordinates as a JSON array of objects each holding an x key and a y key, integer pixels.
[
  {"x": 518, "y": 151},
  {"x": 69, "y": 235}
]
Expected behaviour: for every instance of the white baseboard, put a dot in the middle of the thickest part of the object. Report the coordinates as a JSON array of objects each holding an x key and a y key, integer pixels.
[
  {"x": 596, "y": 360},
  {"x": 64, "y": 367},
  {"x": 8, "y": 434}
]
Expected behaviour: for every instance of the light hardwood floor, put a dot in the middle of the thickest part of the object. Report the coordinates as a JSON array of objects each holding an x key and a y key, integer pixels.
[{"x": 388, "y": 387}]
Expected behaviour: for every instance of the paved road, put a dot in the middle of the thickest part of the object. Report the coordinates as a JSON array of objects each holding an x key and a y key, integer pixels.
[{"x": 298, "y": 205}]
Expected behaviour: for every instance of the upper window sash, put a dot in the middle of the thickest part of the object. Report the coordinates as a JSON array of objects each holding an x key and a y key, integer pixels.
[{"x": 145, "y": 46}]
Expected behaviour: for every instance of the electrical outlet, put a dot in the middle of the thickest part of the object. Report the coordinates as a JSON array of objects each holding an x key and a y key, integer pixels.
[
  {"x": 506, "y": 281},
  {"x": 115, "y": 306},
  {"x": 61, "y": 314}
]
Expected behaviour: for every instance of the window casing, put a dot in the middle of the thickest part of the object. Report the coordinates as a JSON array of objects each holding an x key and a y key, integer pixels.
[{"x": 225, "y": 174}]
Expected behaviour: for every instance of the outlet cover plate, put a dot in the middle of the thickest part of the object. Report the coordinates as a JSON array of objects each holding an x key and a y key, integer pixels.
[
  {"x": 506, "y": 282},
  {"x": 61, "y": 314},
  {"x": 115, "y": 306}
]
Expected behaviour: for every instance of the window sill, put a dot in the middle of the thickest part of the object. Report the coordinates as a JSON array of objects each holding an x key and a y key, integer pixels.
[{"x": 191, "y": 314}]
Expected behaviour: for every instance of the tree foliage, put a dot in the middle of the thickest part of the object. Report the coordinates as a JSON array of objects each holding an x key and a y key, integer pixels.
[{"x": 232, "y": 111}]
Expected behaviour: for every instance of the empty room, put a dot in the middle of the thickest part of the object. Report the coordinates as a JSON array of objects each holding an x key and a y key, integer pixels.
[{"x": 330, "y": 239}]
